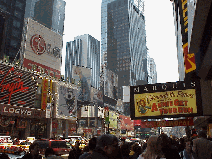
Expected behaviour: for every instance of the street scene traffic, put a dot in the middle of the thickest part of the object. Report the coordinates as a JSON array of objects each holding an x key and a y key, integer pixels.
[{"x": 105, "y": 82}]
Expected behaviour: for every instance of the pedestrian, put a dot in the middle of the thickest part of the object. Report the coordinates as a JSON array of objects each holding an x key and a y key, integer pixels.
[
  {"x": 166, "y": 148},
  {"x": 33, "y": 152},
  {"x": 106, "y": 148},
  {"x": 187, "y": 152},
  {"x": 50, "y": 154},
  {"x": 135, "y": 151},
  {"x": 145, "y": 144},
  {"x": 4, "y": 156},
  {"x": 125, "y": 150},
  {"x": 76, "y": 152},
  {"x": 202, "y": 148},
  {"x": 91, "y": 146},
  {"x": 151, "y": 151}
]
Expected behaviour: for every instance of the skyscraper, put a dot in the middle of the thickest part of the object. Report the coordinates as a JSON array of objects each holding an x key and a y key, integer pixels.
[
  {"x": 50, "y": 13},
  {"x": 124, "y": 43},
  {"x": 84, "y": 51},
  {"x": 11, "y": 25}
]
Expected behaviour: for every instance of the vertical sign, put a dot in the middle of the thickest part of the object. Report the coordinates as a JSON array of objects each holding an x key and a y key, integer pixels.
[
  {"x": 189, "y": 59},
  {"x": 51, "y": 90},
  {"x": 106, "y": 115},
  {"x": 44, "y": 93}
]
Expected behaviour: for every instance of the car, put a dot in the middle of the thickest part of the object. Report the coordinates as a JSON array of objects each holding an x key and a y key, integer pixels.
[
  {"x": 24, "y": 145},
  {"x": 59, "y": 146}
]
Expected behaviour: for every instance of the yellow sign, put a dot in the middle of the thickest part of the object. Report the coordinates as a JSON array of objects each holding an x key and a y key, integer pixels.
[
  {"x": 165, "y": 103},
  {"x": 113, "y": 120}
]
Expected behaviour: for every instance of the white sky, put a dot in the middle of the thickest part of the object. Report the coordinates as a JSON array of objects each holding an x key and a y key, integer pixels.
[{"x": 84, "y": 17}]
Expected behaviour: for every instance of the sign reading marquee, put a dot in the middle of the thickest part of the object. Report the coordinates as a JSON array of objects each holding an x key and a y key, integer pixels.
[{"x": 166, "y": 100}]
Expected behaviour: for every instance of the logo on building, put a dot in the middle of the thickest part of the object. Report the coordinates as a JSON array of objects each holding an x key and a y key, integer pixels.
[{"x": 38, "y": 44}]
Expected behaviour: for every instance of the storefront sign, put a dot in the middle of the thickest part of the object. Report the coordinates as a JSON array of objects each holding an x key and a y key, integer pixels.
[
  {"x": 164, "y": 100},
  {"x": 21, "y": 111},
  {"x": 17, "y": 87},
  {"x": 31, "y": 65},
  {"x": 44, "y": 94},
  {"x": 167, "y": 123}
]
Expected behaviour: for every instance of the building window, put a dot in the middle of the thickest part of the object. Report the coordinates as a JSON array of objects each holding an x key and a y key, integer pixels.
[
  {"x": 16, "y": 23},
  {"x": 14, "y": 43},
  {"x": 19, "y": 4}
]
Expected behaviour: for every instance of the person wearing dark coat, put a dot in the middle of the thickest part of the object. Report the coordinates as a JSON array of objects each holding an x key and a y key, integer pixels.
[
  {"x": 33, "y": 152},
  {"x": 92, "y": 145},
  {"x": 106, "y": 148},
  {"x": 76, "y": 152}
]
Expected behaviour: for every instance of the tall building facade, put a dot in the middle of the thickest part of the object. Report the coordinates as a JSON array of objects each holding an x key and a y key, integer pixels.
[
  {"x": 152, "y": 72},
  {"x": 191, "y": 5},
  {"x": 50, "y": 13},
  {"x": 11, "y": 26},
  {"x": 84, "y": 51},
  {"x": 125, "y": 47}
]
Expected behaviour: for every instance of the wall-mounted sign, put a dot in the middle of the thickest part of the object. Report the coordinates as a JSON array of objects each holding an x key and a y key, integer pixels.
[
  {"x": 38, "y": 44},
  {"x": 17, "y": 87},
  {"x": 44, "y": 94},
  {"x": 21, "y": 111},
  {"x": 167, "y": 123},
  {"x": 165, "y": 100}
]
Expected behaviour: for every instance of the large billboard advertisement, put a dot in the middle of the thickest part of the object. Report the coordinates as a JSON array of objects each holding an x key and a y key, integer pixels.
[
  {"x": 82, "y": 77},
  {"x": 17, "y": 86},
  {"x": 165, "y": 100},
  {"x": 67, "y": 101},
  {"x": 42, "y": 46}
]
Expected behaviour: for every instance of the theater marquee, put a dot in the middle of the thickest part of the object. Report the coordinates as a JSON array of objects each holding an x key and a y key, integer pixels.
[{"x": 165, "y": 100}]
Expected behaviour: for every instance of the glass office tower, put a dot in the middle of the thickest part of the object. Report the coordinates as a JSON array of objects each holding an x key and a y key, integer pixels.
[{"x": 124, "y": 43}]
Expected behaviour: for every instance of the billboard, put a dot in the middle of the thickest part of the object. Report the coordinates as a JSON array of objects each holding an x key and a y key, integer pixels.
[
  {"x": 67, "y": 101},
  {"x": 82, "y": 78},
  {"x": 17, "y": 86},
  {"x": 126, "y": 93},
  {"x": 42, "y": 46},
  {"x": 175, "y": 99}
]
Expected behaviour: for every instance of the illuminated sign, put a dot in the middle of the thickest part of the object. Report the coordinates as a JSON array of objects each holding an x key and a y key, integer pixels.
[
  {"x": 165, "y": 100},
  {"x": 17, "y": 87},
  {"x": 44, "y": 94},
  {"x": 8, "y": 110},
  {"x": 167, "y": 123}
]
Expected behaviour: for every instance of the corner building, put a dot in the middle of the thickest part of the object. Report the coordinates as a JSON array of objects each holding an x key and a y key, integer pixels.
[{"x": 126, "y": 44}]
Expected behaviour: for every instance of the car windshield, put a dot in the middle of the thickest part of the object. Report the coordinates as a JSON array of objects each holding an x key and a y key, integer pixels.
[
  {"x": 42, "y": 144},
  {"x": 58, "y": 144},
  {"x": 25, "y": 143}
]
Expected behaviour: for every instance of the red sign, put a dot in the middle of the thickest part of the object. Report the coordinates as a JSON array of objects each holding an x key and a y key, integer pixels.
[
  {"x": 167, "y": 123},
  {"x": 41, "y": 68},
  {"x": 126, "y": 123},
  {"x": 44, "y": 94},
  {"x": 38, "y": 44},
  {"x": 17, "y": 87},
  {"x": 87, "y": 130}
]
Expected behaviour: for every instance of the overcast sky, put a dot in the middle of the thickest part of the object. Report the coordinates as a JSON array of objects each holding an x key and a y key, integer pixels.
[{"x": 84, "y": 17}]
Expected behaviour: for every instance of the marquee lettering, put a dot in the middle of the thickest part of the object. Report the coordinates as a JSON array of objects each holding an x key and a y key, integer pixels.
[{"x": 17, "y": 111}]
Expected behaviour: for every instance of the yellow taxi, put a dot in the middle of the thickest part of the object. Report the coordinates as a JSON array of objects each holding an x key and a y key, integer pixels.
[{"x": 24, "y": 145}]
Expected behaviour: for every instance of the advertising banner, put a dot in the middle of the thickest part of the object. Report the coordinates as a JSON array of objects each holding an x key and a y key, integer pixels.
[
  {"x": 126, "y": 123},
  {"x": 167, "y": 123},
  {"x": 48, "y": 110},
  {"x": 42, "y": 45},
  {"x": 67, "y": 101},
  {"x": 113, "y": 120},
  {"x": 17, "y": 87},
  {"x": 44, "y": 93},
  {"x": 165, "y": 100}
]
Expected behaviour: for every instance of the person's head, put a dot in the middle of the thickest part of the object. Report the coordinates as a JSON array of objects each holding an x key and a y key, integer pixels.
[
  {"x": 92, "y": 143},
  {"x": 49, "y": 152},
  {"x": 108, "y": 143},
  {"x": 188, "y": 145},
  {"x": 77, "y": 144},
  {"x": 136, "y": 148},
  {"x": 34, "y": 149},
  {"x": 4, "y": 156},
  {"x": 202, "y": 134},
  {"x": 125, "y": 150},
  {"x": 152, "y": 147}
]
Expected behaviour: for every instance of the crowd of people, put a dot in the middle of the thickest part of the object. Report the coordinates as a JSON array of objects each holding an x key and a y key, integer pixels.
[{"x": 108, "y": 146}]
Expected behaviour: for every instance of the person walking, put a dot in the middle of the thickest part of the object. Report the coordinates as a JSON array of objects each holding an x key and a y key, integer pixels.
[
  {"x": 202, "y": 148},
  {"x": 76, "y": 152},
  {"x": 135, "y": 151},
  {"x": 33, "y": 152},
  {"x": 92, "y": 145},
  {"x": 151, "y": 151},
  {"x": 187, "y": 152},
  {"x": 106, "y": 148}
]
